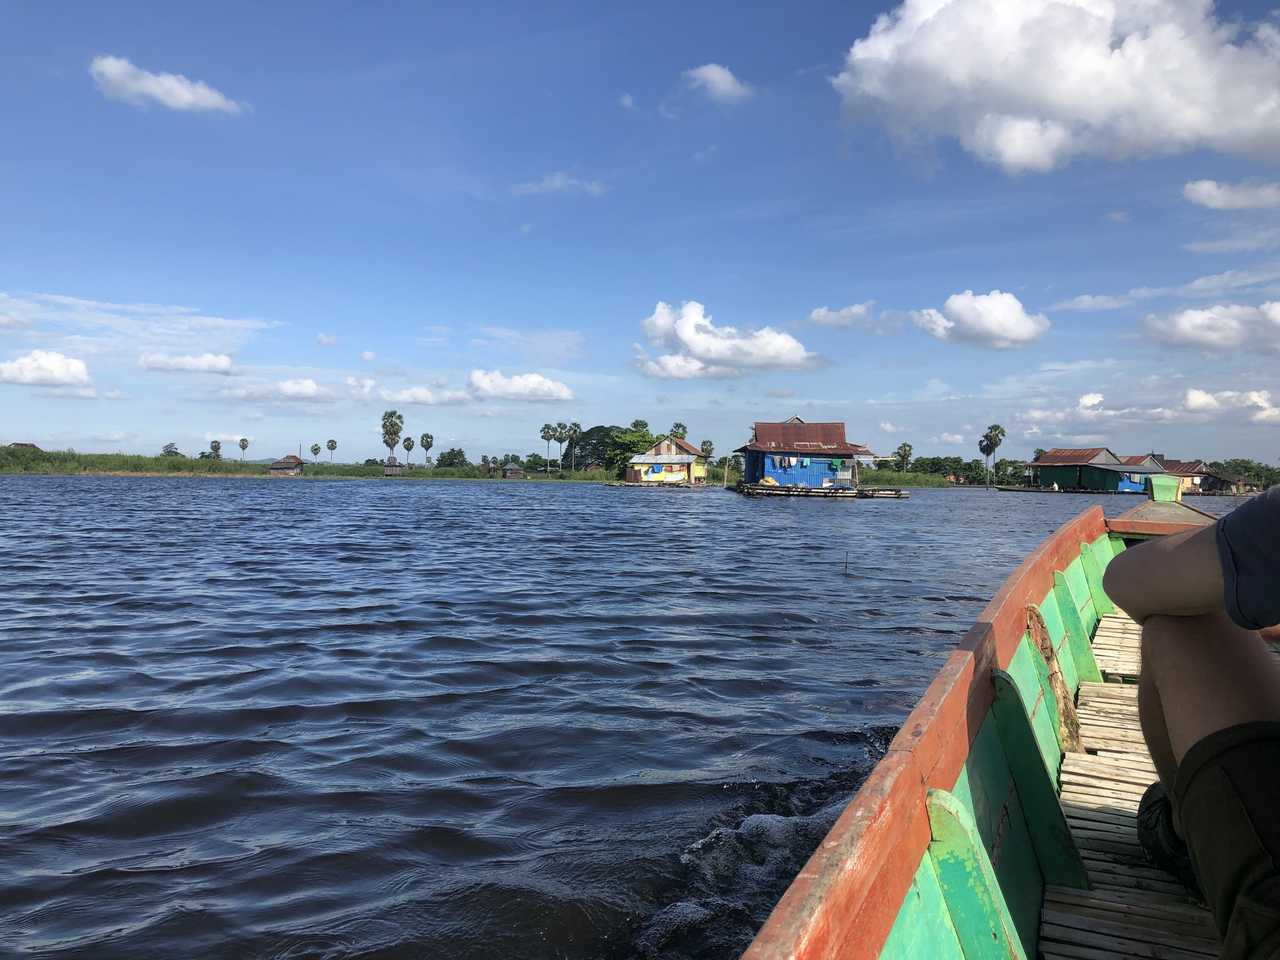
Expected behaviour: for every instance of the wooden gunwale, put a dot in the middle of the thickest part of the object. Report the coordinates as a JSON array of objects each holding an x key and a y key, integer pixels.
[{"x": 845, "y": 899}]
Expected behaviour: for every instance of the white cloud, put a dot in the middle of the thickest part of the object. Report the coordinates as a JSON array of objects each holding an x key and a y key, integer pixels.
[
  {"x": 228, "y": 439},
  {"x": 702, "y": 349},
  {"x": 361, "y": 387},
  {"x": 1090, "y": 401},
  {"x": 1254, "y": 238},
  {"x": 627, "y": 101},
  {"x": 425, "y": 396},
  {"x": 560, "y": 182},
  {"x": 368, "y": 355},
  {"x": 949, "y": 439},
  {"x": 856, "y": 314},
  {"x": 201, "y": 363},
  {"x": 45, "y": 368},
  {"x": 1232, "y": 196},
  {"x": 541, "y": 345},
  {"x": 118, "y": 79},
  {"x": 1089, "y": 301},
  {"x": 296, "y": 390},
  {"x": 887, "y": 427},
  {"x": 77, "y": 325},
  {"x": 1257, "y": 403},
  {"x": 325, "y": 339},
  {"x": 494, "y": 385},
  {"x": 996, "y": 319},
  {"x": 114, "y": 436},
  {"x": 1028, "y": 85},
  {"x": 1220, "y": 327},
  {"x": 718, "y": 83}
]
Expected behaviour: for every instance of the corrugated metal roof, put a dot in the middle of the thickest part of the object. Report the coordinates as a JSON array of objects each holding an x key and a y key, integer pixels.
[
  {"x": 686, "y": 446},
  {"x": 290, "y": 460},
  {"x": 1137, "y": 459},
  {"x": 1126, "y": 468},
  {"x": 664, "y": 458},
  {"x": 1069, "y": 456},
  {"x": 796, "y": 436},
  {"x": 1185, "y": 468}
]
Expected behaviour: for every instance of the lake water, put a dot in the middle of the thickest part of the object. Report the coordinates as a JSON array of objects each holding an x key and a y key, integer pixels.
[{"x": 253, "y": 718}]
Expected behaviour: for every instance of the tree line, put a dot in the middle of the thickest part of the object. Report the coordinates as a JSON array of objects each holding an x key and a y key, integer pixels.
[{"x": 958, "y": 469}]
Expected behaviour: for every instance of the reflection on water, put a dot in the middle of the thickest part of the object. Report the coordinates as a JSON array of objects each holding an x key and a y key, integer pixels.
[{"x": 380, "y": 719}]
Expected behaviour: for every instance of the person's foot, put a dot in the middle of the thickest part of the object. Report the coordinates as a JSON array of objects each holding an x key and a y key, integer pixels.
[{"x": 1160, "y": 841}]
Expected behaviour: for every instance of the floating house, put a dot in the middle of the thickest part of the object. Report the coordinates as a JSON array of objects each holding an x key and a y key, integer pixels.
[
  {"x": 287, "y": 466},
  {"x": 512, "y": 472},
  {"x": 392, "y": 467},
  {"x": 1093, "y": 469},
  {"x": 794, "y": 453},
  {"x": 1197, "y": 476},
  {"x": 672, "y": 460}
]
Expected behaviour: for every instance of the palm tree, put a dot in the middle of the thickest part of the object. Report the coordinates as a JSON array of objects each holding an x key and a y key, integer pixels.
[
  {"x": 315, "y": 451},
  {"x": 548, "y": 434},
  {"x": 244, "y": 445},
  {"x": 408, "y": 448},
  {"x": 332, "y": 445},
  {"x": 560, "y": 436},
  {"x": 392, "y": 427},
  {"x": 215, "y": 447},
  {"x": 708, "y": 448},
  {"x": 989, "y": 444},
  {"x": 426, "y": 440},
  {"x": 575, "y": 431},
  {"x": 678, "y": 429},
  {"x": 902, "y": 456}
]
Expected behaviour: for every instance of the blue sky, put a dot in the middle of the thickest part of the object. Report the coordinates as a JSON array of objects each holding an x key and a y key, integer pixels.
[{"x": 277, "y": 222}]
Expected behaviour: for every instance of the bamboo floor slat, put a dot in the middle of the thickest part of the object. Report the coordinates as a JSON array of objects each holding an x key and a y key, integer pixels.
[{"x": 1132, "y": 908}]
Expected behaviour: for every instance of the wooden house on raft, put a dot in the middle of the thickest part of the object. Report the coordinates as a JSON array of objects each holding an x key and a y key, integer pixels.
[
  {"x": 287, "y": 466},
  {"x": 1093, "y": 469},
  {"x": 799, "y": 454},
  {"x": 672, "y": 460}
]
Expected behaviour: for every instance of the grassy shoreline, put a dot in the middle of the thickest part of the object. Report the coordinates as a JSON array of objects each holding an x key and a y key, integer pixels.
[{"x": 71, "y": 463}]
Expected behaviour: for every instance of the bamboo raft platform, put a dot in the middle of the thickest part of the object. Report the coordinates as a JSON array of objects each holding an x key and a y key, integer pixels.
[{"x": 1132, "y": 909}]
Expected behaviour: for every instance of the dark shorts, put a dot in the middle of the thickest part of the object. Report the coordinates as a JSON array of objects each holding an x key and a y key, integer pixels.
[
  {"x": 1228, "y": 800},
  {"x": 1249, "y": 548}
]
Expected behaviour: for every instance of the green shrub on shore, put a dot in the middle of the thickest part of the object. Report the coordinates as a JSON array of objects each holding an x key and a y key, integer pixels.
[{"x": 897, "y": 478}]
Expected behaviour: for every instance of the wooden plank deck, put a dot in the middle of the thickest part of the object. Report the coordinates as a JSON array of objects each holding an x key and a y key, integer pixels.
[{"x": 1132, "y": 909}]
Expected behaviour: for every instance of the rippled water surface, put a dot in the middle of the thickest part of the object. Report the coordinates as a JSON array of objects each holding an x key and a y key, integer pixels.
[{"x": 246, "y": 718}]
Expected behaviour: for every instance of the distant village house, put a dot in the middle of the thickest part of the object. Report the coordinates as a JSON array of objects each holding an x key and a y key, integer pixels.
[
  {"x": 672, "y": 460},
  {"x": 799, "y": 454},
  {"x": 287, "y": 466}
]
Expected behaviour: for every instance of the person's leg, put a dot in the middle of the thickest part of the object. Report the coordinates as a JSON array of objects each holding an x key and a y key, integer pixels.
[
  {"x": 1154, "y": 731},
  {"x": 1208, "y": 674}
]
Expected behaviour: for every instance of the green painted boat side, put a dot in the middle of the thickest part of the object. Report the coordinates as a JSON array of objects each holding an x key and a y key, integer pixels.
[{"x": 946, "y": 849}]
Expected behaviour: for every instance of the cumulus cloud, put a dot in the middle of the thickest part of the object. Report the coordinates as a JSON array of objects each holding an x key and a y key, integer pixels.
[
  {"x": 301, "y": 390},
  {"x": 856, "y": 314},
  {"x": 425, "y": 396},
  {"x": 627, "y": 102},
  {"x": 887, "y": 427},
  {"x": 948, "y": 439},
  {"x": 368, "y": 356},
  {"x": 1256, "y": 404},
  {"x": 361, "y": 387},
  {"x": 1220, "y": 327},
  {"x": 1232, "y": 196},
  {"x": 201, "y": 363},
  {"x": 1089, "y": 301},
  {"x": 718, "y": 83},
  {"x": 1029, "y": 85},
  {"x": 495, "y": 385},
  {"x": 325, "y": 339},
  {"x": 45, "y": 368},
  {"x": 560, "y": 182},
  {"x": 119, "y": 79},
  {"x": 996, "y": 319},
  {"x": 699, "y": 348}
]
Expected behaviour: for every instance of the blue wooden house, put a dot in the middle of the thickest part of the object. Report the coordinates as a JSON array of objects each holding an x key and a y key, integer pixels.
[{"x": 799, "y": 454}]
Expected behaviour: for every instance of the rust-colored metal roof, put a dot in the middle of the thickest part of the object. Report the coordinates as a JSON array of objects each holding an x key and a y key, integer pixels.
[
  {"x": 1068, "y": 456},
  {"x": 1135, "y": 460},
  {"x": 289, "y": 460},
  {"x": 1185, "y": 468},
  {"x": 796, "y": 436},
  {"x": 686, "y": 446}
]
